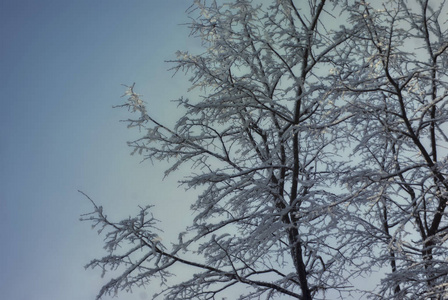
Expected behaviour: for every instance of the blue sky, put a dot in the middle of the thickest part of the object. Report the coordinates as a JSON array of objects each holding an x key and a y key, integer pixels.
[{"x": 62, "y": 64}]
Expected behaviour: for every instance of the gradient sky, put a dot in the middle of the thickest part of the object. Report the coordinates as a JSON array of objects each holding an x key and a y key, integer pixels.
[{"x": 62, "y": 64}]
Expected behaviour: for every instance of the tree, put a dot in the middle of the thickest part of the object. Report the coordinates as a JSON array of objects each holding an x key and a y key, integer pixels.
[
  {"x": 396, "y": 82},
  {"x": 316, "y": 145}
]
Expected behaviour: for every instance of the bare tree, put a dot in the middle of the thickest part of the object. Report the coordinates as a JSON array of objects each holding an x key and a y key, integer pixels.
[
  {"x": 396, "y": 84},
  {"x": 318, "y": 144},
  {"x": 257, "y": 144}
]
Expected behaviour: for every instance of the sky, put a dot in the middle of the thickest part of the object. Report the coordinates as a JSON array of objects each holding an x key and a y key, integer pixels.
[{"x": 62, "y": 64}]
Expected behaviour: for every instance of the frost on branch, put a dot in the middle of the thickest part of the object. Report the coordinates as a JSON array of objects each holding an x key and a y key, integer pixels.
[
  {"x": 258, "y": 144},
  {"x": 396, "y": 90},
  {"x": 131, "y": 245},
  {"x": 318, "y": 150}
]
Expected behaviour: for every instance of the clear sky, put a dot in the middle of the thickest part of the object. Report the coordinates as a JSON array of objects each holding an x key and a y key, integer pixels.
[{"x": 62, "y": 64}]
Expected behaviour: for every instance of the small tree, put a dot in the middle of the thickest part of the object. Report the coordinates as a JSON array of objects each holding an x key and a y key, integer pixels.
[{"x": 316, "y": 145}]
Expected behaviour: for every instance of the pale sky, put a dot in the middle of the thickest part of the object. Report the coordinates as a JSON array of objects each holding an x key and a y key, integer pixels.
[{"x": 62, "y": 64}]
